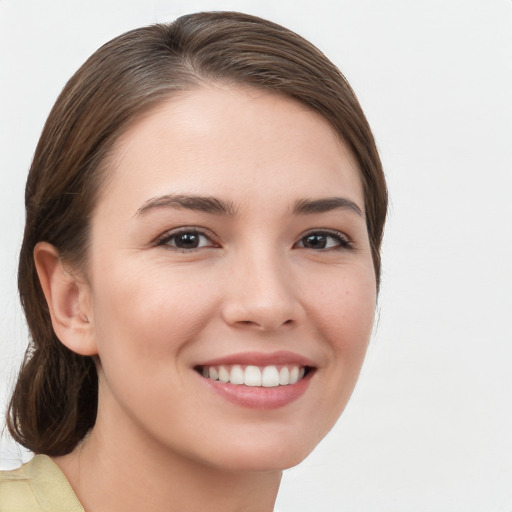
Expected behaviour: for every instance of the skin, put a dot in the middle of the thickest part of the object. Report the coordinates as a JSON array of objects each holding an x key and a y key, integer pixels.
[{"x": 149, "y": 312}]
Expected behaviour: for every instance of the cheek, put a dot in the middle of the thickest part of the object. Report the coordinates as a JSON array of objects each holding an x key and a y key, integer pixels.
[
  {"x": 343, "y": 313},
  {"x": 344, "y": 309},
  {"x": 148, "y": 314}
]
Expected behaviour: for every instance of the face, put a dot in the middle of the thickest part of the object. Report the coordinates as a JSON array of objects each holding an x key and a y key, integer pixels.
[{"x": 231, "y": 286}]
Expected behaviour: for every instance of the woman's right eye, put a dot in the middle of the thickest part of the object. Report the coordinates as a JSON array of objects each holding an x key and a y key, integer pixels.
[{"x": 186, "y": 240}]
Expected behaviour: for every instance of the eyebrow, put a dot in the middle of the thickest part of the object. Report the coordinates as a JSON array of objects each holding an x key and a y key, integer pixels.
[
  {"x": 311, "y": 206},
  {"x": 188, "y": 202},
  {"x": 217, "y": 206}
]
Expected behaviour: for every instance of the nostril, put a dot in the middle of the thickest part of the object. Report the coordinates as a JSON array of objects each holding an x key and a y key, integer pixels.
[{"x": 262, "y": 325}]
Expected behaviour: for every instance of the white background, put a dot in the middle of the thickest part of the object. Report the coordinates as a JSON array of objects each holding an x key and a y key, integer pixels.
[{"x": 429, "y": 427}]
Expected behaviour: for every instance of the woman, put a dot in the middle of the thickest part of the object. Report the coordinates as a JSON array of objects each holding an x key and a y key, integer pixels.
[{"x": 199, "y": 270}]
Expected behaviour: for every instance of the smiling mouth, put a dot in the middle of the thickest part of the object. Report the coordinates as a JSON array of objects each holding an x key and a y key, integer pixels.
[{"x": 270, "y": 376}]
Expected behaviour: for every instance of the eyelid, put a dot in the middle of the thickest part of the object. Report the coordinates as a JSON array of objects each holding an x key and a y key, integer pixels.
[
  {"x": 346, "y": 243},
  {"x": 164, "y": 238}
]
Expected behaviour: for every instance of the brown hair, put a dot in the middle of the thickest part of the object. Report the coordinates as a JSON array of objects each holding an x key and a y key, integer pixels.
[{"x": 55, "y": 400}]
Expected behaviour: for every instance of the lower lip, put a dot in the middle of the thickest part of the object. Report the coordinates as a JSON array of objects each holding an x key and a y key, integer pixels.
[{"x": 258, "y": 397}]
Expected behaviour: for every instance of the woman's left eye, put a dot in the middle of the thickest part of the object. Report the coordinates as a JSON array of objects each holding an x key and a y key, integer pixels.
[
  {"x": 187, "y": 240},
  {"x": 321, "y": 241}
]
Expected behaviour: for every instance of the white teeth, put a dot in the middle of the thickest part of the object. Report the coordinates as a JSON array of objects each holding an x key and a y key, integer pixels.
[
  {"x": 237, "y": 375},
  {"x": 254, "y": 376},
  {"x": 294, "y": 375},
  {"x": 270, "y": 377},
  {"x": 223, "y": 374},
  {"x": 284, "y": 376}
]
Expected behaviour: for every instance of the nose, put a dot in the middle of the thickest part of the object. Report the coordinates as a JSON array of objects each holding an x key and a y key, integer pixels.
[{"x": 261, "y": 295}]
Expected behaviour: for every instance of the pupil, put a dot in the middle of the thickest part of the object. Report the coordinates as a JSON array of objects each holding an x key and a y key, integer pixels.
[
  {"x": 187, "y": 240},
  {"x": 315, "y": 241}
]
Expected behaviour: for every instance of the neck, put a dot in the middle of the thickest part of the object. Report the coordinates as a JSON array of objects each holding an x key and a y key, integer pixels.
[{"x": 114, "y": 471}]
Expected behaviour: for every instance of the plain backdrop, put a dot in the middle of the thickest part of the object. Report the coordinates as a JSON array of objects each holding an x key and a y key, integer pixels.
[{"x": 429, "y": 427}]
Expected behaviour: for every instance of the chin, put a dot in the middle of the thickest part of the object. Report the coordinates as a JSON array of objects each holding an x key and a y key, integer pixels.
[
  {"x": 261, "y": 453},
  {"x": 262, "y": 462}
]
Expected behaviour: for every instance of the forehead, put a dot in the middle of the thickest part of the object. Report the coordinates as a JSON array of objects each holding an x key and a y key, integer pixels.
[{"x": 235, "y": 142}]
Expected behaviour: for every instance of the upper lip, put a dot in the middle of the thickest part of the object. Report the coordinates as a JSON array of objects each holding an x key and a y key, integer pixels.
[{"x": 260, "y": 359}]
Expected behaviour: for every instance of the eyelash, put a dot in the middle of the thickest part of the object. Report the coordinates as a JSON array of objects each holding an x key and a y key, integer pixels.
[
  {"x": 166, "y": 239},
  {"x": 342, "y": 242}
]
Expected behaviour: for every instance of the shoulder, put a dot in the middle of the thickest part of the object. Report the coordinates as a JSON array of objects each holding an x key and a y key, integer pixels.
[{"x": 37, "y": 486}]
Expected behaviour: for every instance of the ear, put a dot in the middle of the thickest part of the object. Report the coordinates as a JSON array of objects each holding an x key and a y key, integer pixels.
[{"x": 69, "y": 301}]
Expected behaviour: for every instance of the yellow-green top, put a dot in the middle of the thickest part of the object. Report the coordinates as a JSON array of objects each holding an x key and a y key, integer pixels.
[{"x": 37, "y": 486}]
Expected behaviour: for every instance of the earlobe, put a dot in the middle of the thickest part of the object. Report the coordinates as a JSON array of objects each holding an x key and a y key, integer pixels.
[{"x": 68, "y": 298}]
